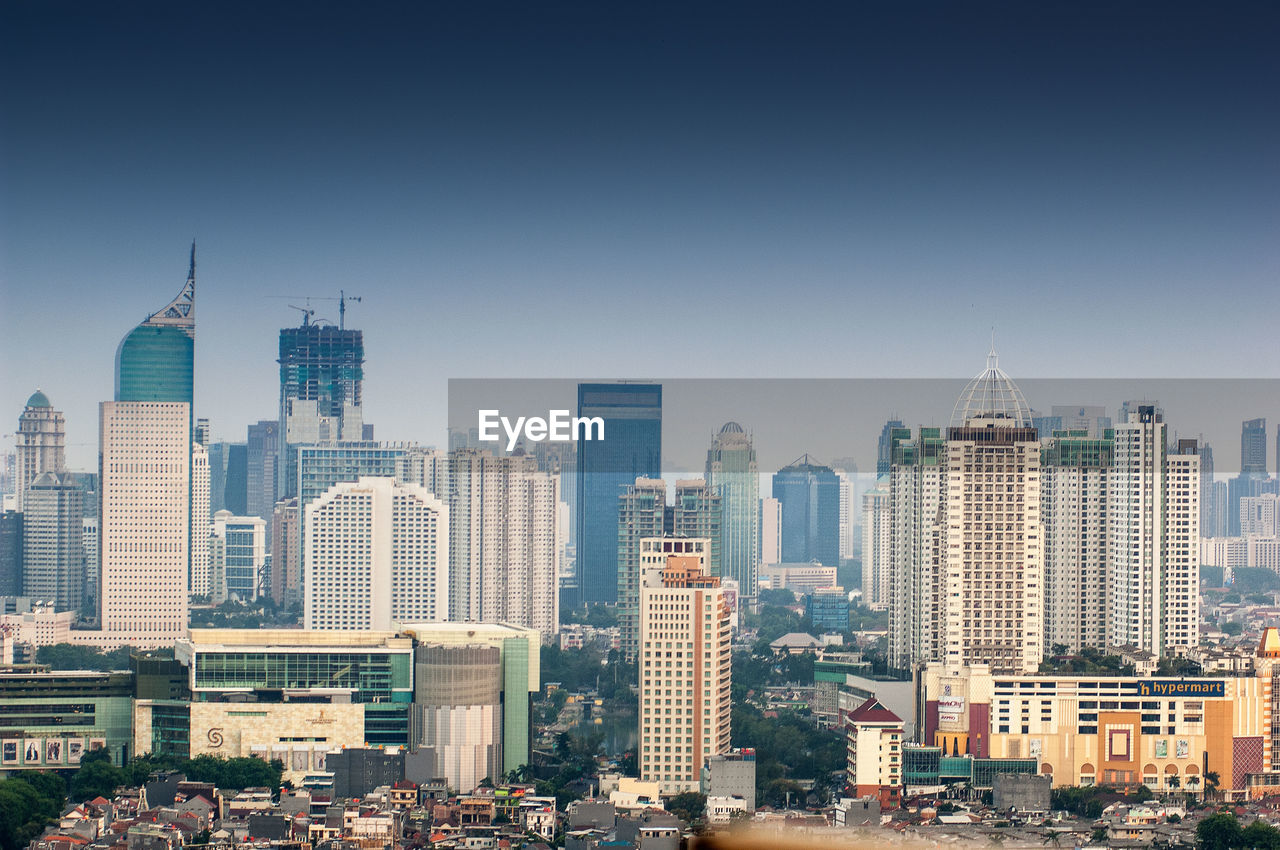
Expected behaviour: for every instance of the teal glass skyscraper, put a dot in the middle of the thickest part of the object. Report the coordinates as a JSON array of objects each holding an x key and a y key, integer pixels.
[
  {"x": 732, "y": 472},
  {"x": 156, "y": 360}
]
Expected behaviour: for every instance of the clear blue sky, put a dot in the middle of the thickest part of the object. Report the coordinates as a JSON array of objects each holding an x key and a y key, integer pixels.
[{"x": 637, "y": 189}]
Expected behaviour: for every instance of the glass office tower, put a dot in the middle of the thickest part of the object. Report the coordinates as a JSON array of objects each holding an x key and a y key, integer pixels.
[{"x": 631, "y": 449}]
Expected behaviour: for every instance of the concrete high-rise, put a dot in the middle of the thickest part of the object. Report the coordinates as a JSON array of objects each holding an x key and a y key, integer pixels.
[
  {"x": 41, "y": 442},
  {"x": 286, "y": 557},
  {"x": 967, "y": 537},
  {"x": 1073, "y": 505},
  {"x": 504, "y": 546},
  {"x": 642, "y": 510},
  {"x": 145, "y": 439},
  {"x": 631, "y": 448},
  {"x": 732, "y": 472},
  {"x": 53, "y": 542},
  {"x": 877, "y": 543},
  {"x": 321, "y": 387},
  {"x": 990, "y": 558},
  {"x": 809, "y": 494},
  {"x": 643, "y": 513},
  {"x": 684, "y": 673},
  {"x": 1153, "y": 516},
  {"x": 238, "y": 557},
  {"x": 199, "y": 576},
  {"x": 916, "y": 480},
  {"x": 376, "y": 553}
]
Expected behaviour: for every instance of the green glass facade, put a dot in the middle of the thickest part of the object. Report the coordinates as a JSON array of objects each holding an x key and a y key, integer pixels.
[
  {"x": 156, "y": 363},
  {"x": 65, "y": 713},
  {"x": 927, "y": 766},
  {"x": 515, "y": 708},
  {"x": 373, "y": 676}
]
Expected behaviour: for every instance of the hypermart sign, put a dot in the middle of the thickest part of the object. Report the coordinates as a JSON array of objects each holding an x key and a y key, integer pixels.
[{"x": 1176, "y": 688}]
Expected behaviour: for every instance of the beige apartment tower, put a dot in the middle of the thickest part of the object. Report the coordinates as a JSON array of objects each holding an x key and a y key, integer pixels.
[{"x": 684, "y": 671}]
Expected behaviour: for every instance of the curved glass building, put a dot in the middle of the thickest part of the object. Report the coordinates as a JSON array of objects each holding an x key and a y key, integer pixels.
[{"x": 156, "y": 360}]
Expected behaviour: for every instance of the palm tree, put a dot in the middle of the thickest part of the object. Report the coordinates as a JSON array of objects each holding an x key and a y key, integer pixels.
[{"x": 1211, "y": 780}]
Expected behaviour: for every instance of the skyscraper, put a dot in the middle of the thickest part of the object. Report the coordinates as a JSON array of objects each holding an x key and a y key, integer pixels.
[
  {"x": 238, "y": 556},
  {"x": 321, "y": 383},
  {"x": 145, "y": 438},
  {"x": 199, "y": 576},
  {"x": 503, "y": 541},
  {"x": 10, "y": 553},
  {"x": 643, "y": 513},
  {"x": 42, "y": 442},
  {"x": 1073, "y": 488},
  {"x": 916, "y": 481},
  {"x": 1253, "y": 447},
  {"x": 809, "y": 495},
  {"x": 642, "y": 510},
  {"x": 53, "y": 544},
  {"x": 1153, "y": 515},
  {"x": 631, "y": 449},
  {"x": 732, "y": 472},
  {"x": 376, "y": 553},
  {"x": 262, "y": 451},
  {"x": 990, "y": 557},
  {"x": 684, "y": 709},
  {"x": 286, "y": 557},
  {"x": 884, "y": 446},
  {"x": 877, "y": 541}
]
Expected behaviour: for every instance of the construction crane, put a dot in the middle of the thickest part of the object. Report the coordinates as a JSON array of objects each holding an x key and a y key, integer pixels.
[
  {"x": 307, "y": 313},
  {"x": 342, "y": 300}
]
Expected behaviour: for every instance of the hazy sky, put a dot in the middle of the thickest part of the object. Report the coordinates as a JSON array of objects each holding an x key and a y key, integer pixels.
[{"x": 637, "y": 189}]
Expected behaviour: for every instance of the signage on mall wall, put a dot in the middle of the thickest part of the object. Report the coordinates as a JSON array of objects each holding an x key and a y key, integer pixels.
[{"x": 1181, "y": 688}]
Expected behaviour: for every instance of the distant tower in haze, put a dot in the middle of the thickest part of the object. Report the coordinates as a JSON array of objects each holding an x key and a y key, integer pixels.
[
  {"x": 53, "y": 541},
  {"x": 631, "y": 449},
  {"x": 732, "y": 472},
  {"x": 321, "y": 382},
  {"x": 1253, "y": 447},
  {"x": 145, "y": 479},
  {"x": 809, "y": 494},
  {"x": 42, "y": 442}
]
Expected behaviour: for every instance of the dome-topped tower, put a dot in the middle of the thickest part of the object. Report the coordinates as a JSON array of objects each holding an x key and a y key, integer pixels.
[
  {"x": 993, "y": 397},
  {"x": 38, "y": 399}
]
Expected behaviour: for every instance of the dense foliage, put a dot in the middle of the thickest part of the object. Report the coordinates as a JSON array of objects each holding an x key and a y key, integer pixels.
[
  {"x": 787, "y": 747},
  {"x": 1223, "y": 832},
  {"x": 29, "y": 801},
  {"x": 98, "y": 777},
  {"x": 70, "y": 656},
  {"x": 689, "y": 806}
]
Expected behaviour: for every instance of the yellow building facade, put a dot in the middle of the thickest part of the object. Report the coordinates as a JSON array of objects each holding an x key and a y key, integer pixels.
[{"x": 1165, "y": 732}]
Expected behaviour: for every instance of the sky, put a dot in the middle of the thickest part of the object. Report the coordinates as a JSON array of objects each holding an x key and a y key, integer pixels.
[{"x": 637, "y": 190}]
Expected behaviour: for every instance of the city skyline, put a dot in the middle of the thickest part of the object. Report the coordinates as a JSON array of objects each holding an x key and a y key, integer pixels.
[{"x": 1057, "y": 173}]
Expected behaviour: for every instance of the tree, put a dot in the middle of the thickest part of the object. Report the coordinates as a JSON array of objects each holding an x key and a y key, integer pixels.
[
  {"x": 97, "y": 777},
  {"x": 1211, "y": 780},
  {"x": 28, "y": 803},
  {"x": 1219, "y": 832},
  {"x": 1260, "y": 835},
  {"x": 1099, "y": 836},
  {"x": 689, "y": 806}
]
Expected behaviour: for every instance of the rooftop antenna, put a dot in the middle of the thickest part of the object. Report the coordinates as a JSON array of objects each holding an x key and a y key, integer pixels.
[{"x": 343, "y": 298}]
